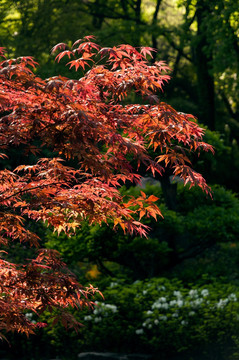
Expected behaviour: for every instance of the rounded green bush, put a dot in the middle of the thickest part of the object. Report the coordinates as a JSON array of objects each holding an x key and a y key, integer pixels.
[{"x": 160, "y": 316}]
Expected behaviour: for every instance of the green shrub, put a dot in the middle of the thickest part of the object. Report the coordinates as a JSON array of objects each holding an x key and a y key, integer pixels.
[
  {"x": 199, "y": 224},
  {"x": 159, "y": 316},
  {"x": 162, "y": 316}
]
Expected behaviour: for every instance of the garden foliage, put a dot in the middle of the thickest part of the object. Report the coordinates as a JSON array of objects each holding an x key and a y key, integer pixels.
[
  {"x": 199, "y": 226},
  {"x": 157, "y": 316}
]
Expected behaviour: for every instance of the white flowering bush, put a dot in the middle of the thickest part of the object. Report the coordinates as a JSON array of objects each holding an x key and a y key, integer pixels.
[
  {"x": 163, "y": 315},
  {"x": 102, "y": 310},
  {"x": 181, "y": 308}
]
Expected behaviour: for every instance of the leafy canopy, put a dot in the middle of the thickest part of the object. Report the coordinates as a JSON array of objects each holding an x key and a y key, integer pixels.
[{"x": 93, "y": 135}]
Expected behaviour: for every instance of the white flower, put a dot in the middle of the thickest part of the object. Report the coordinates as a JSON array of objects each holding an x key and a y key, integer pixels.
[
  {"x": 180, "y": 303},
  {"x": 177, "y": 294},
  {"x": 161, "y": 288},
  {"x": 164, "y": 306},
  {"x": 88, "y": 317},
  {"x": 162, "y": 299},
  {"x": 156, "y": 321},
  {"x": 156, "y": 305},
  {"x": 111, "y": 307},
  {"x": 183, "y": 322},
  {"x": 97, "y": 319},
  {"x": 175, "y": 315},
  {"x": 232, "y": 297},
  {"x": 113, "y": 284},
  {"x": 147, "y": 321},
  {"x": 193, "y": 293},
  {"x": 149, "y": 326},
  {"x": 29, "y": 316},
  {"x": 222, "y": 303},
  {"x": 196, "y": 303},
  {"x": 145, "y": 292},
  {"x": 149, "y": 312},
  {"x": 191, "y": 313},
  {"x": 103, "y": 308},
  {"x": 139, "y": 331},
  {"x": 173, "y": 302},
  {"x": 163, "y": 317},
  {"x": 205, "y": 292}
]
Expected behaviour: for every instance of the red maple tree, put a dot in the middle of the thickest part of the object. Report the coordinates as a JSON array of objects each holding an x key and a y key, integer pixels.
[{"x": 94, "y": 134}]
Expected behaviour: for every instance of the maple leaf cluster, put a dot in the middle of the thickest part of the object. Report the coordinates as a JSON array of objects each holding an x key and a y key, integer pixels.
[{"x": 94, "y": 135}]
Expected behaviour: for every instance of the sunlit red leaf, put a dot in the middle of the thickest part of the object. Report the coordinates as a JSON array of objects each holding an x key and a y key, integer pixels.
[{"x": 60, "y": 46}]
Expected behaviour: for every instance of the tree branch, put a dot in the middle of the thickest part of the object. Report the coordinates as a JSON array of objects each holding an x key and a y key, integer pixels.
[{"x": 154, "y": 20}]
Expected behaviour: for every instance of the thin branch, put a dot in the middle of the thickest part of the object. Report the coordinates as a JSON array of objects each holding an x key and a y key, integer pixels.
[
  {"x": 154, "y": 20},
  {"x": 156, "y": 11},
  {"x": 110, "y": 15},
  {"x": 174, "y": 46},
  {"x": 22, "y": 191}
]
